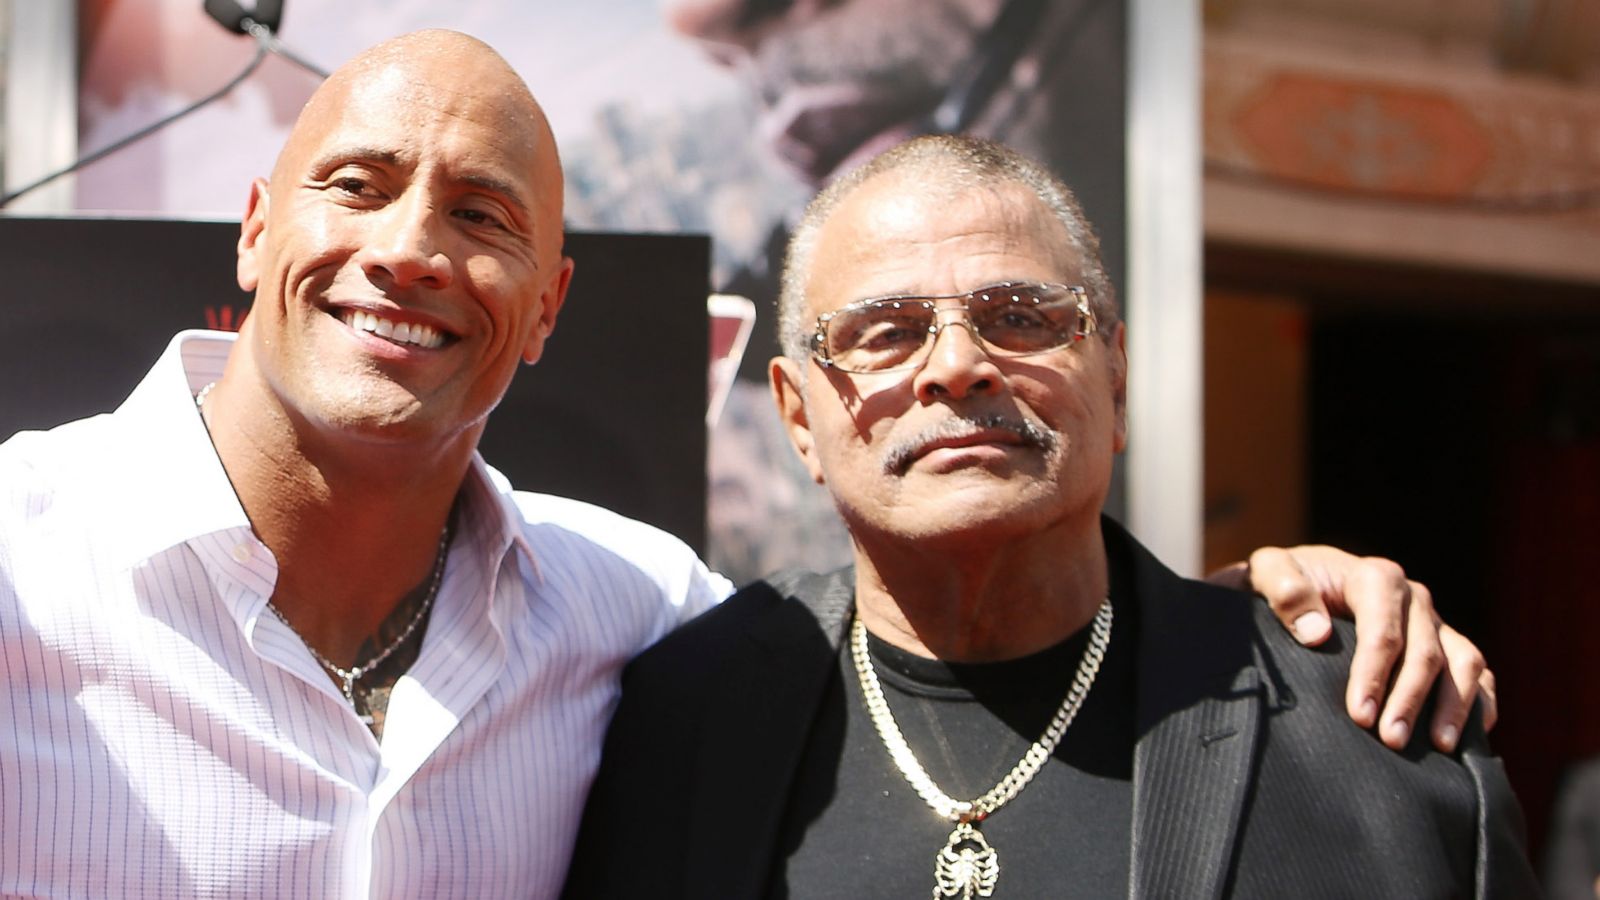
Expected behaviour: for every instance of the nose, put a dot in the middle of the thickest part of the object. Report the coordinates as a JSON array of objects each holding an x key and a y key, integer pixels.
[
  {"x": 402, "y": 246},
  {"x": 957, "y": 365}
]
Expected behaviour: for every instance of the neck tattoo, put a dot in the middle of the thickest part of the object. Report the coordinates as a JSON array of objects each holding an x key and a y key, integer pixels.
[
  {"x": 968, "y": 867},
  {"x": 347, "y": 677}
]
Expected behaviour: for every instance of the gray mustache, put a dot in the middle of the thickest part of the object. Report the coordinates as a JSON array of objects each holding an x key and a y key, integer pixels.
[{"x": 902, "y": 452}]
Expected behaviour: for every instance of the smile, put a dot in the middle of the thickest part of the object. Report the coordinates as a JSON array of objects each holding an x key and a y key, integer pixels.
[{"x": 413, "y": 334}]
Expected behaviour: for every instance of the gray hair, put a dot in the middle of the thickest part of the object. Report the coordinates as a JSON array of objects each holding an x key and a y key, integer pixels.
[{"x": 948, "y": 161}]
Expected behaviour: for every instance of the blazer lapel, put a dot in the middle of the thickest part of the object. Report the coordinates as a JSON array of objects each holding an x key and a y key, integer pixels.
[
  {"x": 1200, "y": 699},
  {"x": 751, "y": 748}
]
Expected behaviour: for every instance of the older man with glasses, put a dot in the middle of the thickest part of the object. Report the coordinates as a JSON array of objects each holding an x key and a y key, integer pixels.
[{"x": 1005, "y": 695}]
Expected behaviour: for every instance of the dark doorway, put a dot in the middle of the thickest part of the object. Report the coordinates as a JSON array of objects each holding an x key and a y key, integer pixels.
[{"x": 1453, "y": 424}]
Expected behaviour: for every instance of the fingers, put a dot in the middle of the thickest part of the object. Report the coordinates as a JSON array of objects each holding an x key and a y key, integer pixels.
[
  {"x": 1464, "y": 668},
  {"x": 1378, "y": 595},
  {"x": 1424, "y": 658},
  {"x": 1295, "y": 598},
  {"x": 1401, "y": 644},
  {"x": 1489, "y": 699},
  {"x": 1233, "y": 575}
]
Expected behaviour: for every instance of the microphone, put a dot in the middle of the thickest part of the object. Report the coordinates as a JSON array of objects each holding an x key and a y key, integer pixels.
[
  {"x": 235, "y": 18},
  {"x": 259, "y": 22}
]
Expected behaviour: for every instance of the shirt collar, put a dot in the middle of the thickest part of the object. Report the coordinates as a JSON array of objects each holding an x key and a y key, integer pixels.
[
  {"x": 490, "y": 515},
  {"x": 167, "y": 486},
  {"x": 163, "y": 483}
]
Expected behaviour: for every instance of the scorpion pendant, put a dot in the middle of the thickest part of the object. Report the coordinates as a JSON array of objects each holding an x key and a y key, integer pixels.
[{"x": 967, "y": 867}]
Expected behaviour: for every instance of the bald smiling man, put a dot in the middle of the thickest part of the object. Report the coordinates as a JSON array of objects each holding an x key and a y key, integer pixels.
[
  {"x": 206, "y": 613},
  {"x": 273, "y": 628}
]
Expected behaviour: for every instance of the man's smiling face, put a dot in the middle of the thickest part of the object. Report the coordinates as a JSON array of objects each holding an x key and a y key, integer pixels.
[{"x": 407, "y": 252}]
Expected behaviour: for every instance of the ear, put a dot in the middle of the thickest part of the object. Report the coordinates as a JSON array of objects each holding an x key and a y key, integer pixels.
[
  {"x": 1118, "y": 361},
  {"x": 252, "y": 229},
  {"x": 786, "y": 379},
  {"x": 555, "y": 294}
]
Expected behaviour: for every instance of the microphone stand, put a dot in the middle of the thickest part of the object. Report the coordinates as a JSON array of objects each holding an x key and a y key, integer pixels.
[
  {"x": 266, "y": 42},
  {"x": 265, "y": 36}
]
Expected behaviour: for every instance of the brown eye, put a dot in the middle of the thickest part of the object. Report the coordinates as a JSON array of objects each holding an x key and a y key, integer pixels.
[
  {"x": 877, "y": 335},
  {"x": 478, "y": 217}
]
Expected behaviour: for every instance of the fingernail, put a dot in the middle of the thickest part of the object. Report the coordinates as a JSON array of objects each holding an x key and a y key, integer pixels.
[
  {"x": 1310, "y": 627},
  {"x": 1448, "y": 735},
  {"x": 1368, "y": 711},
  {"x": 1398, "y": 731}
]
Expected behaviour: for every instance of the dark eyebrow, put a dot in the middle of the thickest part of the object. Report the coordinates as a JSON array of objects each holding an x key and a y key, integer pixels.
[
  {"x": 499, "y": 186},
  {"x": 341, "y": 155},
  {"x": 488, "y": 183}
]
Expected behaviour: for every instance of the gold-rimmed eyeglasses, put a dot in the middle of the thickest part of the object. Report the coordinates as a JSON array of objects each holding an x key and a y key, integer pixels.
[{"x": 885, "y": 334}]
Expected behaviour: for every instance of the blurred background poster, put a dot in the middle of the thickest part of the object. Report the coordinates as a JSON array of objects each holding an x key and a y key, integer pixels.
[{"x": 691, "y": 116}]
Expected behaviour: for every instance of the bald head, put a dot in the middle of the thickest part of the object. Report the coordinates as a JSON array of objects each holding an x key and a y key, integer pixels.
[{"x": 430, "y": 72}]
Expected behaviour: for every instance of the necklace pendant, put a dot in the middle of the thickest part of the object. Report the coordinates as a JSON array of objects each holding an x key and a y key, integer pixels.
[
  {"x": 967, "y": 867},
  {"x": 350, "y": 683}
]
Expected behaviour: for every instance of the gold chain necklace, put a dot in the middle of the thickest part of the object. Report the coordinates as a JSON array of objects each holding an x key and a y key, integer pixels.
[
  {"x": 349, "y": 677},
  {"x": 968, "y": 867}
]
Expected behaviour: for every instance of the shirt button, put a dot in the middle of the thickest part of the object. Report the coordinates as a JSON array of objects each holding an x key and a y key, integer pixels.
[{"x": 241, "y": 553}]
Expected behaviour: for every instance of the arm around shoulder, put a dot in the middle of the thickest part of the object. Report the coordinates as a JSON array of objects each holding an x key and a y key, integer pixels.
[{"x": 1419, "y": 821}]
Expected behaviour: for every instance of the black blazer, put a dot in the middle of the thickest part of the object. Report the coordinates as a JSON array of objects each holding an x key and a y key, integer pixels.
[
  {"x": 1572, "y": 852},
  {"x": 1249, "y": 778}
]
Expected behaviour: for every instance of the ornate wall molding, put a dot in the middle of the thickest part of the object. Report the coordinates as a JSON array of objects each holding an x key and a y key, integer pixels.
[{"x": 1402, "y": 158}]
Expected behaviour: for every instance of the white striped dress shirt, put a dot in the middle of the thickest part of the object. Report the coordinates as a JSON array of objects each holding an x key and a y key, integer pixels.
[{"x": 163, "y": 735}]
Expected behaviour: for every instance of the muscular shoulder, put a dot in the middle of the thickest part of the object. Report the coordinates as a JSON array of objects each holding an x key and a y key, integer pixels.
[
  {"x": 44, "y": 461},
  {"x": 561, "y": 523},
  {"x": 571, "y": 534},
  {"x": 44, "y": 473},
  {"x": 49, "y": 482},
  {"x": 619, "y": 575}
]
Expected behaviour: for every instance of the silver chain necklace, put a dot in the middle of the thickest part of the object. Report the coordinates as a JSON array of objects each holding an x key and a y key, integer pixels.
[
  {"x": 968, "y": 867},
  {"x": 349, "y": 677}
]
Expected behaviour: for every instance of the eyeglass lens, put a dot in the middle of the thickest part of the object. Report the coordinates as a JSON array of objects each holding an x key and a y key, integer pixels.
[{"x": 1013, "y": 320}]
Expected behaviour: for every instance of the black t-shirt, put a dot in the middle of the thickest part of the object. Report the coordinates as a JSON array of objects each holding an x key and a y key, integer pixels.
[{"x": 855, "y": 828}]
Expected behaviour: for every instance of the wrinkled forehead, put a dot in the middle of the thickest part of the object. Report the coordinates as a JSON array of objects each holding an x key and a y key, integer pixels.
[{"x": 898, "y": 235}]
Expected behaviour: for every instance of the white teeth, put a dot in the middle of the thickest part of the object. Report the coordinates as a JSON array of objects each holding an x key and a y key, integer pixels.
[{"x": 415, "y": 333}]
